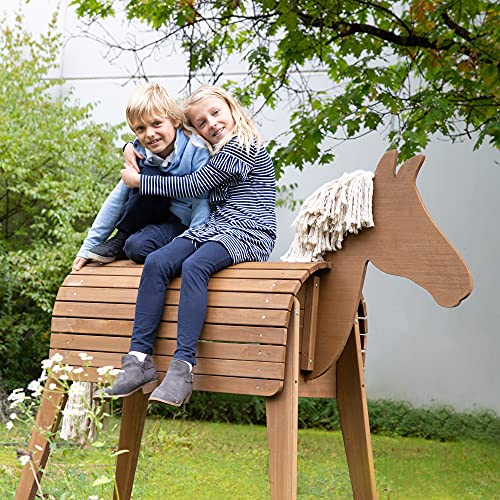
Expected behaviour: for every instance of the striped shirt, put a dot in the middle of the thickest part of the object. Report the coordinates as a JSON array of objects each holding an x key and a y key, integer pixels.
[{"x": 242, "y": 200}]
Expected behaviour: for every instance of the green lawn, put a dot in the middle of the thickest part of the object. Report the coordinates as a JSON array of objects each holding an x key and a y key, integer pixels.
[{"x": 182, "y": 459}]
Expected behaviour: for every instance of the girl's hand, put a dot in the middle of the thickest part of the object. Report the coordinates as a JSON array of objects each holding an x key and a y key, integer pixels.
[
  {"x": 131, "y": 156},
  {"x": 78, "y": 263},
  {"x": 130, "y": 177}
]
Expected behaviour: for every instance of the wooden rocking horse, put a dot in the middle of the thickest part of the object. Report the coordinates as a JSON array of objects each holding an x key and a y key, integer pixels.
[{"x": 280, "y": 330}]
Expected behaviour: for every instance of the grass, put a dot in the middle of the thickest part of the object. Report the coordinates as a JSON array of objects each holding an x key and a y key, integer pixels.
[{"x": 183, "y": 459}]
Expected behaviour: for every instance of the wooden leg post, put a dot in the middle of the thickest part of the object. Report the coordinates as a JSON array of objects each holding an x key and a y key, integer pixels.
[
  {"x": 47, "y": 423},
  {"x": 282, "y": 420},
  {"x": 132, "y": 426},
  {"x": 353, "y": 412}
]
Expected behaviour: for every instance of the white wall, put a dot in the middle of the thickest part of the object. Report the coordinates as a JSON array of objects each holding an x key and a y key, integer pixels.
[{"x": 417, "y": 350}]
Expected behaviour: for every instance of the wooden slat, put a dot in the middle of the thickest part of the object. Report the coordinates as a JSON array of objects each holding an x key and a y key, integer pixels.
[
  {"x": 128, "y": 266},
  {"x": 232, "y": 272},
  {"x": 240, "y": 385},
  {"x": 216, "y": 299},
  {"x": 284, "y": 274},
  {"x": 206, "y": 366},
  {"x": 210, "y": 383},
  {"x": 216, "y": 284},
  {"x": 218, "y": 315},
  {"x": 310, "y": 314},
  {"x": 166, "y": 347},
  {"x": 229, "y": 333}
]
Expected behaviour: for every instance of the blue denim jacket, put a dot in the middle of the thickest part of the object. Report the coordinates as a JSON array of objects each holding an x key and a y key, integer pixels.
[{"x": 190, "y": 154}]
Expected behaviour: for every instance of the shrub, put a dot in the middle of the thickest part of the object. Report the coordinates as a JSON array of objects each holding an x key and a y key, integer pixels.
[
  {"x": 387, "y": 417},
  {"x": 56, "y": 166}
]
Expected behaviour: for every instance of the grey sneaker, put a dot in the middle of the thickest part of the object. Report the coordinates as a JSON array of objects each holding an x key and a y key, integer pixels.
[
  {"x": 133, "y": 377},
  {"x": 177, "y": 385}
]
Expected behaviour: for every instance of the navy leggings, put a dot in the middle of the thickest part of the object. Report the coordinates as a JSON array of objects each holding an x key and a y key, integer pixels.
[{"x": 197, "y": 262}]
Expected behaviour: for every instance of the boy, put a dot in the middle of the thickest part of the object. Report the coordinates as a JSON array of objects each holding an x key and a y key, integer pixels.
[{"x": 145, "y": 223}]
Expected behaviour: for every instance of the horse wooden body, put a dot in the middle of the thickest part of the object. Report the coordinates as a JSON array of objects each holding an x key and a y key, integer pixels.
[{"x": 316, "y": 351}]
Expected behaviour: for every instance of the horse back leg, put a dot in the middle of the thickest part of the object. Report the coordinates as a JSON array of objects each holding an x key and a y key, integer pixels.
[{"x": 282, "y": 420}]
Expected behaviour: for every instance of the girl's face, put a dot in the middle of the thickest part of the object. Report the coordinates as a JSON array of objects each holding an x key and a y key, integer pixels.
[{"x": 212, "y": 118}]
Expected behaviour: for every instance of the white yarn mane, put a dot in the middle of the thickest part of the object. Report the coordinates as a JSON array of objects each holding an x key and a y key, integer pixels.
[{"x": 337, "y": 208}]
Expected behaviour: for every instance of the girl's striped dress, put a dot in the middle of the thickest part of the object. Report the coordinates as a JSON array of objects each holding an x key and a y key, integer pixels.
[{"x": 242, "y": 189}]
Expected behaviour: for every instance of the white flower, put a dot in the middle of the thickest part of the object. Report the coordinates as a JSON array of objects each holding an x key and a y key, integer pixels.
[
  {"x": 17, "y": 397},
  {"x": 93, "y": 497},
  {"x": 77, "y": 389},
  {"x": 13, "y": 416},
  {"x": 64, "y": 377},
  {"x": 85, "y": 357},
  {"x": 115, "y": 371},
  {"x": 47, "y": 363},
  {"x": 56, "y": 368},
  {"x": 68, "y": 368},
  {"x": 68, "y": 412},
  {"x": 57, "y": 358},
  {"x": 78, "y": 370},
  {"x": 38, "y": 447},
  {"x": 24, "y": 459},
  {"x": 9, "y": 425},
  {"x": 104, "y": 369},
  {"x": 52, "y": 387},
  {"x": 35, "y": 387}
]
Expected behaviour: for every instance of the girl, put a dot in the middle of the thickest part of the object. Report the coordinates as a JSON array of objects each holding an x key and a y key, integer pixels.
[{"x": 241, "y": 227}]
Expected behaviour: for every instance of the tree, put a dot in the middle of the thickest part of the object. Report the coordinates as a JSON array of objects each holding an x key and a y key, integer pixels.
[
  {"x": 409, "y": 69},
  {"x": 56, "y": 166}
]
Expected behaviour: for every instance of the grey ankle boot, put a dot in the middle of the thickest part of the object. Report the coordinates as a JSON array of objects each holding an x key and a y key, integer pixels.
[
  {"x": 177, "y": 385},
  {"x": 134, "y": 376}
]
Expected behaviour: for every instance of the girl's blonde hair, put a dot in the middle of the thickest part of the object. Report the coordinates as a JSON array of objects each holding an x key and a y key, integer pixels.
[
  {"x": 244, "y": 129},
  {"x": 152, "y": 99}
]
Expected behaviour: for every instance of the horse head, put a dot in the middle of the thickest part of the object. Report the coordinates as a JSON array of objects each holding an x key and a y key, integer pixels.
[{"x": 406, "y": 241}]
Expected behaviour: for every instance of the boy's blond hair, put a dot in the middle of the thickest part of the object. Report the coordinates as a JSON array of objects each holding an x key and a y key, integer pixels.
[
  {"x": 152, "y": 99},
  {"x": 244, "y": 128}
]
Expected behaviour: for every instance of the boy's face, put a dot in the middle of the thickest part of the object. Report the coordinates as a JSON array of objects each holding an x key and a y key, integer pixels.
[
  {"x": 156, "y": 134},
  {"x": 212, "y": 118}
]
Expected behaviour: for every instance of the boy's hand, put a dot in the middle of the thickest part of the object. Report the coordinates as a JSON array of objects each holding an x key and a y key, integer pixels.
[
  {"x": 131, "y": 156},
  {"x": 78, "y": 263},
  {"x": 130, "y": 177}
]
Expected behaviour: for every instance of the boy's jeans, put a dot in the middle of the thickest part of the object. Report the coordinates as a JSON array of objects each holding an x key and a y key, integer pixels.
[{"x": 139, "y": 211}]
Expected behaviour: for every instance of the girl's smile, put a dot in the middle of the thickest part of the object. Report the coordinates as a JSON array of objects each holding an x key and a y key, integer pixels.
[{"x": 212, "y": 118}]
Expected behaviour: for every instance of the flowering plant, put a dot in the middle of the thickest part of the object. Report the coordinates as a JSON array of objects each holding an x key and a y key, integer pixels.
[{"x": 81, "y": 404}]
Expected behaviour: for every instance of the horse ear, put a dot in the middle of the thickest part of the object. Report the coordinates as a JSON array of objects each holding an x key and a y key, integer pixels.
[
  {"x": 387, "y": 164},
  {"x": 411, "y": 167}
]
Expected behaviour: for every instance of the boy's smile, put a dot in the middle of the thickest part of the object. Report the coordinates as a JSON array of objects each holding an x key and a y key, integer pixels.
[
  {"x": 156, "y": 134},
  {"x": 212, "y": 118}
]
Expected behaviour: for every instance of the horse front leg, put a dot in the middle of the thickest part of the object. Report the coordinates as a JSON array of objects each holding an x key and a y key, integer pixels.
[
  {"x": 353, "y": 413},
  {"x": 134, "y": 411},
  {"x": 47, "y": 422}
]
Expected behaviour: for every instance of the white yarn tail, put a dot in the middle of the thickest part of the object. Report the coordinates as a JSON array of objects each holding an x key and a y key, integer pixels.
[
  {"x": 337, "y": 208},
  {"x": 77, "y": 421}
]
